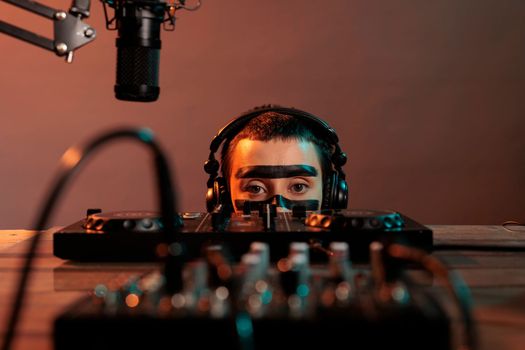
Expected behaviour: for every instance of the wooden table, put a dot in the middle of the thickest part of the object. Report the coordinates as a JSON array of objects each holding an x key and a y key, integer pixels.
[{"x": 496, "y": 279}]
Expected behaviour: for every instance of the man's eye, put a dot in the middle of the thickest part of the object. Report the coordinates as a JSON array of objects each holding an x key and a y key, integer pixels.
[
  {"x": 254, "y": 189},
  {"x": 299, "y": 188}
]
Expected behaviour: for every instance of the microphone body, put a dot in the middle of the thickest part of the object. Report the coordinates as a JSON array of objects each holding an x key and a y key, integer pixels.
[{"x": 138, "y": 49}]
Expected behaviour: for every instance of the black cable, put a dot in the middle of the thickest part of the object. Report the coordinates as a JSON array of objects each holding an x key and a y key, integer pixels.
[
  {"x": 70, "y": 162},
  {"x": 453, "y": 282}
]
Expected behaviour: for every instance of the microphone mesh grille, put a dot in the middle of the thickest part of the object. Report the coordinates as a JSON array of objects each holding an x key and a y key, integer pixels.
[{"x": 138, "y": 65}]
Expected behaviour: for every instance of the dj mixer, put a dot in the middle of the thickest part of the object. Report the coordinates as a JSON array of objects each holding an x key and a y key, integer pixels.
[
  {"x": 134, "y": 236},
  {"x": 255, "y": 280}
]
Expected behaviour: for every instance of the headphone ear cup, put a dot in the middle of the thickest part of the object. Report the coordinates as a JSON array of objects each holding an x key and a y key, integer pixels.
[
  {"x": 211, "y": 200},
  {"x": 211, "y": 166},
  {"x": 217, "y": 194},
  {"x": 340, "y": 199},
  {"x": 223, "y": 194},
  {"x": 336, "y": 192},
  {"x": 328, "y": 189}
]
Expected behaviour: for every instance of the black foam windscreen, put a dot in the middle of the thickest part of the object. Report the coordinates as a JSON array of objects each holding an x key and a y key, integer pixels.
[
  {"x": 138, "y": 50},
  {"x": 137, "y": 74}
]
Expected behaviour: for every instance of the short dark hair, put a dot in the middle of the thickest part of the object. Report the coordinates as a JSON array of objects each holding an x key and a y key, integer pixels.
[{"x": 273, "y": 125}]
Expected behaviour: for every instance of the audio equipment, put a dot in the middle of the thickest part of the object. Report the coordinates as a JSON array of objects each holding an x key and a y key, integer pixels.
[
  {"x": 291, "y": 305},
  {"x": 134, "y": 236},
  {"x": 138, "y": 49},
  {"x": 264, "y": 279},
  {"x": 335, "y": 187},
  {"x": 267, "y": 279},
  {"x": 138, "y": 44}
]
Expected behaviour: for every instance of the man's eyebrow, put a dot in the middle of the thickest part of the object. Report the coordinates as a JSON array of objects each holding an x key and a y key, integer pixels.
[{"x": 275, "y": 171}]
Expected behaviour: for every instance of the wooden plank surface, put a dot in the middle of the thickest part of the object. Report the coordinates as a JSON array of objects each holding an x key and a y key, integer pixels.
[
  {"x": 496, "y": 280},
  {"x": 54, "y": 284}
]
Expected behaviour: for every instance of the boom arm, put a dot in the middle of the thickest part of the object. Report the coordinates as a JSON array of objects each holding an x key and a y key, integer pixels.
[{"x": 70, "y": 32}]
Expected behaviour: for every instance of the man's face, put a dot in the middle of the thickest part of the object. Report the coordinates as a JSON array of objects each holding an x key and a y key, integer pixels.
[{"x": 261, "y": 170}]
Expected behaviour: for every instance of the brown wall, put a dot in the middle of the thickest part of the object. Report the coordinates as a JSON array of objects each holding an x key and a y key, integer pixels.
[{"x": 427, "y": 97}]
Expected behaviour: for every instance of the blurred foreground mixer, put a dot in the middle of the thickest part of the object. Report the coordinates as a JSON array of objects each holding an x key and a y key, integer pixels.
[{"x": 254, "y": 303}]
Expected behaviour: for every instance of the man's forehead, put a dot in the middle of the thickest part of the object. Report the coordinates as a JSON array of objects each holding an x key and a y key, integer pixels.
[{"x": 275, "y": 152}]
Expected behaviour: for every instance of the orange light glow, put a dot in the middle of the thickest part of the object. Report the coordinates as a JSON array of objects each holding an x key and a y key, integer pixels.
[
  {"x": 224, "y": 271},
  {"x": 284, "y": 265},
  {"x": 132, "y": 300},
  {"x": 71, "y": 157},
  {"x": 162, "y": 250}
]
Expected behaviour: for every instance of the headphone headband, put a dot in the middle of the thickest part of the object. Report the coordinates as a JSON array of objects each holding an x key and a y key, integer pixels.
[{"x": 235, "y": 125}]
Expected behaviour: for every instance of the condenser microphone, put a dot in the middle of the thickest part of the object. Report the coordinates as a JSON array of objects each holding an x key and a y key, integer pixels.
[{"x": 138, "y": 49}]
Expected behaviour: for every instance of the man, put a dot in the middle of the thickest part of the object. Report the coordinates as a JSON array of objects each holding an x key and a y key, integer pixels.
[{"x": 281, "y": 157}]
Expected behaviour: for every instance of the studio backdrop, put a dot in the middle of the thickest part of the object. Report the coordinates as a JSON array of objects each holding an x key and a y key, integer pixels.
[{"x": 427, "y": 99}]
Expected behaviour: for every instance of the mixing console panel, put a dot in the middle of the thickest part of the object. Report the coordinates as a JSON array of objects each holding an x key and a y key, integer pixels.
[
  {"x": 134, "y": 236},
  {"x": 255, "y": 280}
]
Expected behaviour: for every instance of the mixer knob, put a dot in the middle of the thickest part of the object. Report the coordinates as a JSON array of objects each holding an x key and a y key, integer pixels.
[
  {"x": 219, "y": 268},
  {"x": 293, "y": 274},
  {"x": 128, "y": 224},
  {"x": 377, "y": 264},
  {"x": 319, "y": 220},
  {"x": 300, "y": 248},
  {"x": 340, "y": 266},
  {"x": 92, "y": 211},
  {"x": 356, "y": 222},
  {"x": 263, "y": 250},
  {"x": 254, "y": 269}
]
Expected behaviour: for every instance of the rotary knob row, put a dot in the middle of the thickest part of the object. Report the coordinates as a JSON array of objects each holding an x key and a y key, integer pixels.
[{"x": 356, "y": 220}]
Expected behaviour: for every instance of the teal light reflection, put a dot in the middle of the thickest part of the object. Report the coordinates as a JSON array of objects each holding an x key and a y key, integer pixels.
[
  {"x": 101, "y": 290},
  {"x": 303, "y": 290},
  {"x": 266, "y": 297},
  {"x": 244, "y": 325},
  {"x": 146, "y": 135}
]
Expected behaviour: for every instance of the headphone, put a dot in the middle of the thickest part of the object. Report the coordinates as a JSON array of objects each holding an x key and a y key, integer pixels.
[{"x": 335, "y": 187}]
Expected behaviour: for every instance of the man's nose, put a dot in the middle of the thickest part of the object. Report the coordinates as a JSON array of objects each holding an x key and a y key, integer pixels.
[{"x": 279, "y": 203}]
